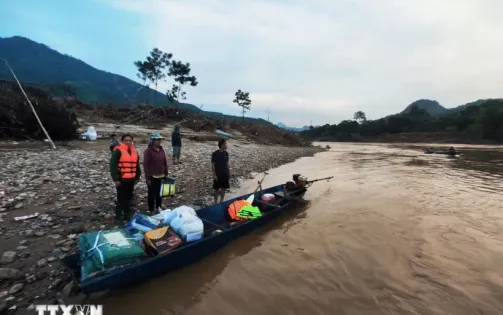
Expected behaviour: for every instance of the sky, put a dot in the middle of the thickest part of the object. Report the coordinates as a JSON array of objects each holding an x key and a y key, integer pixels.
[{"x": 305, "y": 61}]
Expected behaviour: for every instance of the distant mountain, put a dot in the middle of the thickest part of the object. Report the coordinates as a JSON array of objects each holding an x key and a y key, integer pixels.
[
  {"x": 296, "y": 129},
  {"x": 435, "y": 109},
  {"x": 432, "y": 107},
  {"x": 475, "y": 103},
  {"x": 39, "y": 65}
]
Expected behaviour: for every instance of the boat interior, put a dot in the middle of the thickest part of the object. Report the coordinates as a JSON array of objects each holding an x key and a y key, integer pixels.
[{"x": 216, "y": 219}]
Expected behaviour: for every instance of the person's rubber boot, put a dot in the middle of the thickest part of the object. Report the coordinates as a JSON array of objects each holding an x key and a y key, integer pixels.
[
  {"x": 127, "y": 217},
  {"x": 118, "y": 221}
]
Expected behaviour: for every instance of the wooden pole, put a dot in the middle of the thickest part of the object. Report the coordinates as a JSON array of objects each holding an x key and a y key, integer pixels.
[{"x": 31, "y": 105}]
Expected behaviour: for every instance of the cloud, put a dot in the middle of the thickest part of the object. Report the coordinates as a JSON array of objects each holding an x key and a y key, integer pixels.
[{"x": 325, "y": 59}]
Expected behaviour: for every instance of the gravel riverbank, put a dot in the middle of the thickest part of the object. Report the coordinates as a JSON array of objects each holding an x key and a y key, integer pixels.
[{"x": 72, "y": 192}]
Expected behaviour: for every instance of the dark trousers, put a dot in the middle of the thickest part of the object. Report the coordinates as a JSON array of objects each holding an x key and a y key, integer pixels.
[
  {"x": 154, "y": 194},
  {"x": 124, "y": 197}
]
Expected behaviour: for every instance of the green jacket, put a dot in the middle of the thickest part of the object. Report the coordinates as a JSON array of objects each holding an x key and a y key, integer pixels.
[{"x": 114, "y": 166}]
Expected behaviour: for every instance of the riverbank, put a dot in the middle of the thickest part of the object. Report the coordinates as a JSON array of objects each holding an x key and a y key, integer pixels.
[{"x": 72, "y": 192}]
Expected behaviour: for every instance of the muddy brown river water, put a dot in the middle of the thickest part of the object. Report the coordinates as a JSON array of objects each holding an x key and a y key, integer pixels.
[{"x": 395, "y": 232}]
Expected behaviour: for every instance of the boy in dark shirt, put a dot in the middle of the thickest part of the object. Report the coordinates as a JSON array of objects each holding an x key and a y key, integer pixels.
[{"x": 220, "y": 169}]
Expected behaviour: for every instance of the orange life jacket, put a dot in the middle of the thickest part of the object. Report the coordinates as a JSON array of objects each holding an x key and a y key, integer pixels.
[
  {"x": 234, "y": 209},
  {"x": 128, "y": 162}
]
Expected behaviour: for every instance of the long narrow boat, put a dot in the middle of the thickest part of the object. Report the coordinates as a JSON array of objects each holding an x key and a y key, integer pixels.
[{"x": 215, "y": 217}]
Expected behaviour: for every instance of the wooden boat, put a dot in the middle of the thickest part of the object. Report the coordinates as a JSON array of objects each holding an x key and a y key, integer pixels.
[{"x": 215, "y": 218}]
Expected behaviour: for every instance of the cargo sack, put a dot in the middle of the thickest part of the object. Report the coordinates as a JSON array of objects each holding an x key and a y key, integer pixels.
[
  {"x": 161, "y": 241},
  {"x": 167, "y": 188},
  {"x": 190, "y": 227},
  {"x": 104, "y": 251}
]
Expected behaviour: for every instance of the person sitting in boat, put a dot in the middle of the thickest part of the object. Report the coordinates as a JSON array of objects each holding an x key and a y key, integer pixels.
[
  {"x": 429, "y": 150},
  {"x": 298, "y": 185},
  {"x": 220, "y": 170},
  {"x": 452, "y": 151}
]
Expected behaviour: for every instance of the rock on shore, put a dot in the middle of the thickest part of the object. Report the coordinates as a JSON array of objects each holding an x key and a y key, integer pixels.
[{"x": 72, "y": 192}]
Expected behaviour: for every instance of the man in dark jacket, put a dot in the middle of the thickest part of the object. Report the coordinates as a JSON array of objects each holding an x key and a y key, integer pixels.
[
  {"x": 126, "y": 172},
  {"x": 176, "y": 143}
]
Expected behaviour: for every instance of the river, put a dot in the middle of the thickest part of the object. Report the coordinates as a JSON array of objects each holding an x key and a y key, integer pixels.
[{"x": 395, "y": 232}]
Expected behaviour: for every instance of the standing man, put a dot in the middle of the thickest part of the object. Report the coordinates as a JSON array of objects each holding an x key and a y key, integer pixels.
[
  {"x": 176, "y": 143},
  {"x": 220, "y": 169},
  {"x": 125, "y": 171}
]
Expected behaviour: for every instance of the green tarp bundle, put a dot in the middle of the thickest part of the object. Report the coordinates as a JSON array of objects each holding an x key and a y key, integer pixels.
[{"x": 103, "y": 251}]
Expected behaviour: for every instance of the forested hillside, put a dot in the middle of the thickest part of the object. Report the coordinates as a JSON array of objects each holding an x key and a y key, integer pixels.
[
  {"x": 60, "y": 75},
  {"x": 478, "y": 120}
]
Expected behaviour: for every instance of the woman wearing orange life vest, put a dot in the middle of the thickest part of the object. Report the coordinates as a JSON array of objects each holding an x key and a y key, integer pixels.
[{"x": 125, "y": 171}]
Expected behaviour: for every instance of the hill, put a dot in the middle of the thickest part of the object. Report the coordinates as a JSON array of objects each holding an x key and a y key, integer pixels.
[
  {"x": 40, "y": 66},
  {"x": 435, "y": 109},
  {"x": 475, "y": 122},
  {"x": 295, "y": 129},
  {"x": 432, "y": 107},
  {"x": 460, "y": 108}
]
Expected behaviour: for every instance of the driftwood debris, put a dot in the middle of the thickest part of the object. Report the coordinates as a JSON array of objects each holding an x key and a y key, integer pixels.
[
  {"x": 31, "y": 106},
  {"x": 59, "y": 116},
  {"x": 17, "y": 120}
]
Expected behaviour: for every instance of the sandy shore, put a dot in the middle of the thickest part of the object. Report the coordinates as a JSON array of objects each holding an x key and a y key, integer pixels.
[{"x": 72, "y": 192}]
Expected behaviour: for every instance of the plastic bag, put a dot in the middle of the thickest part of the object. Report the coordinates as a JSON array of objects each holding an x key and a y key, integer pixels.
[
  {"x": 90, "y": 134},
  {"x": 190, "y": 227},
  {"x": 166, "y": 216},
  {"x": 192, "y": 232},
  {"x": 185, "y": 209},
  {"x": 168, "y": 188},
  {"x": 144, "y": 223},
  {"x": 146, "y": 220}
]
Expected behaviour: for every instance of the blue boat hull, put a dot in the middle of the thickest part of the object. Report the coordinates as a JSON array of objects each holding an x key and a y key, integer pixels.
[{"x": 187, "y": 254}]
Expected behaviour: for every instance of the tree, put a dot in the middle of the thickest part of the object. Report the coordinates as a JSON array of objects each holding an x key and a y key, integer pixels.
[
  {"x": 142, "y": 74},
  {"x": 491, "y": 120},
  {"x": 156, "y": 63},
  {"x": 152, "y": 69},
  {"x": 243, "y": 101},
  {"x": 360, "y": 117},
  {"x": 181, "y": 73}
]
